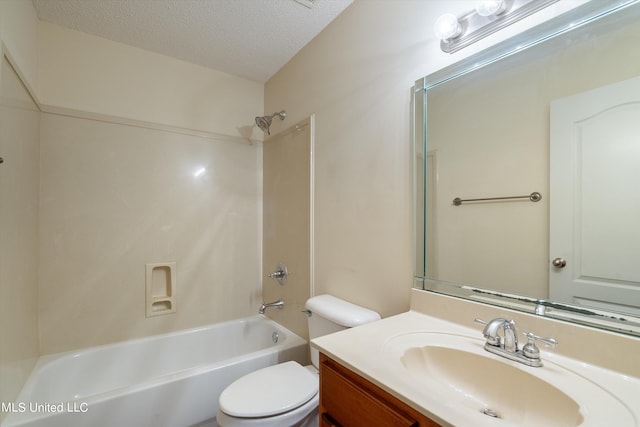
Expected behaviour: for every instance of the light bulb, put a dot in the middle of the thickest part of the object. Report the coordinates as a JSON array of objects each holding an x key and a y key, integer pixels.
[
  {"x": 490, "y": 7},
  {"x": 447, "y": 27}
]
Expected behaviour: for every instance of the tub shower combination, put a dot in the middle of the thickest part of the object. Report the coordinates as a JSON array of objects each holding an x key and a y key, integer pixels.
[{"x": 166, "y": 380}]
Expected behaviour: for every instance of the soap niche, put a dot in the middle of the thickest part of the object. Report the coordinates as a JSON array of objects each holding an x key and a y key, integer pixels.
[{"x": 161, "y": 288}]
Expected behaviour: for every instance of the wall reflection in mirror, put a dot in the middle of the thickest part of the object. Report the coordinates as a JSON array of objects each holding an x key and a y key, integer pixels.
[{"x": 560, "y": 117}]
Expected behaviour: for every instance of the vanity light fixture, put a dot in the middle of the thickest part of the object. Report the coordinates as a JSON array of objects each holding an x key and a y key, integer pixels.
[{"x": 489, "y": 16}]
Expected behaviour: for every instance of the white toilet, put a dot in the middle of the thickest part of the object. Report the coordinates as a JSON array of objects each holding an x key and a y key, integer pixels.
[{"x": 286, "y": 394}]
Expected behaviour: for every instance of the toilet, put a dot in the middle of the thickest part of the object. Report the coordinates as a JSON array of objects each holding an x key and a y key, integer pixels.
[{"x": 286, "y": 394}]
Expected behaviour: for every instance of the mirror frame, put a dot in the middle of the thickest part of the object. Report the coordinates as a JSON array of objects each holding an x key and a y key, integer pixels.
[{"x": 562, "y": 24}]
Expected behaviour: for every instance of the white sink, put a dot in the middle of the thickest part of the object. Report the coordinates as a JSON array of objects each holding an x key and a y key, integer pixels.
[
  {"x": 495, "y": 388},
  {"x": 465, "y": 376}
]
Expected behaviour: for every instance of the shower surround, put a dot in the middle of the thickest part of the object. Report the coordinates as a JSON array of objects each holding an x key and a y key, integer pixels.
[{"x": 115, "y": 198}]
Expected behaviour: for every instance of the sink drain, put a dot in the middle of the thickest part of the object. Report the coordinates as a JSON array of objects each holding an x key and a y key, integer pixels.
[
  {"x": 490, "y": 412},
  {"x": 274, "y": 337}
]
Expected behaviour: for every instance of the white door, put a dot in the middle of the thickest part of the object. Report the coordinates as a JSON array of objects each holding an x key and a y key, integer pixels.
[{"x": 595, "y": 198}]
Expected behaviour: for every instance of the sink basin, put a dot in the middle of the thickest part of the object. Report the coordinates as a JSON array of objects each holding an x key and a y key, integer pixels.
[
  {"x": 494, "y": 388},
  {"x": 458, "y": 373}
]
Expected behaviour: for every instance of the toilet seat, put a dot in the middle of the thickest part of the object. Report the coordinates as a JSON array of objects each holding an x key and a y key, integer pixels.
[{"x": 269, "y": 391}]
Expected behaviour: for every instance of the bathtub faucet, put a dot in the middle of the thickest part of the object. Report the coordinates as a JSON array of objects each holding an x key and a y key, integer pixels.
[{"x": 278, "y": 304}]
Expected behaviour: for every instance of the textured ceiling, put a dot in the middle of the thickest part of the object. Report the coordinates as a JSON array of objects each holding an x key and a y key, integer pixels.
[{"x": 248, "y": 38}]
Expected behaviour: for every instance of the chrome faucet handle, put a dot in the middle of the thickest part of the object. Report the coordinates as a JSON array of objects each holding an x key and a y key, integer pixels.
[
  {"x": 276, "y": 274},
  {"x": 530, "y": 349},
  {"x": 280, "y": 273}
]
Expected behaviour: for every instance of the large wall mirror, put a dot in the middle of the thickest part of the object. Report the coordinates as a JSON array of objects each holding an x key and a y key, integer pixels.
[{"x": 554, "y": 112}]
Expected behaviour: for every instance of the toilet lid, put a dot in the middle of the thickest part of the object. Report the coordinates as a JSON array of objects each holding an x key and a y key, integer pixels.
[{"x": 269, "y": 391}]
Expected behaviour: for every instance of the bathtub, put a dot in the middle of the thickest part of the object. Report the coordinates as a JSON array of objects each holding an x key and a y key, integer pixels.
[{"x": 170, "y": 380}]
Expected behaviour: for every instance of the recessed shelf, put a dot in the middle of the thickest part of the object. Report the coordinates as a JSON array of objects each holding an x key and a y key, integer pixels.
[{"x": 160, "y": 288}]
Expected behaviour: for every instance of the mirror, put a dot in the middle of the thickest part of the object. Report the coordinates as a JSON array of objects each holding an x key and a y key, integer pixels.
[{"x": 490, "y": 127}]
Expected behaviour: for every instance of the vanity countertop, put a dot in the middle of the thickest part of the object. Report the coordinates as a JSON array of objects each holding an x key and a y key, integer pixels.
[{"x": 374, "y": 351}]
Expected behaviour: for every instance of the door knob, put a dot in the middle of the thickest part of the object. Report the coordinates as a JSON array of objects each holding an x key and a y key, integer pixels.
[{"x": 559, "y": 262}]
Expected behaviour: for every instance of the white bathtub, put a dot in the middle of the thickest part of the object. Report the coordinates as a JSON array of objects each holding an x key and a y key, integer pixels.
[{"x": 170, "y": 380}]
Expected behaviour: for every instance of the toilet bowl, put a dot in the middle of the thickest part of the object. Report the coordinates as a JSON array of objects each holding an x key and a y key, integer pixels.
[{"x": 286, "y": 394}]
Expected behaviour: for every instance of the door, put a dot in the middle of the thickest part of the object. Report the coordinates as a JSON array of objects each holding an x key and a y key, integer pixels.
[{"x": 595, "y": 198}]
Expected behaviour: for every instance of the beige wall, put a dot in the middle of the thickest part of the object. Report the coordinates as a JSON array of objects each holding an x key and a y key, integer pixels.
[
  {"x": 94, "y": 75},
  {"x": 19, "y": 178},
  {"x": 19, "y": 34},
  {"x": 362, "y": 199},
  {"x": 287, "y": 222},
  {"x": 18, "y": 197},
  {"x": 356, "y": 76}
]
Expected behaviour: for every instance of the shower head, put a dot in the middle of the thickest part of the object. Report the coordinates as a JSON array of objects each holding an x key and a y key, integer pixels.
[{"x": 264, "y": 122}]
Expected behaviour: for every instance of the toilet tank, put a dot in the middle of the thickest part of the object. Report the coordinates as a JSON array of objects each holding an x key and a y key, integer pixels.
[{"x": 330, "y": 314}]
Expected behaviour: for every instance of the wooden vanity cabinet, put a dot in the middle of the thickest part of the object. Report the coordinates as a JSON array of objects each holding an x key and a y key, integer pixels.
[{"x": 348, "y": 400}]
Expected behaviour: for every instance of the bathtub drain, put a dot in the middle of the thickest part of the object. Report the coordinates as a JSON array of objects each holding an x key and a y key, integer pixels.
[
  {"x": 274, "y": 337},
  {"x": 490, "y": 412}
]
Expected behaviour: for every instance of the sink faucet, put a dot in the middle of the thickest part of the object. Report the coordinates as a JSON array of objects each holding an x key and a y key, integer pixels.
[
  {"x": 509, "y": 340},
  {"x": 507, "y": 346},
  {"x": 277, "y": 304},
  {"x": 491, "y": 328}
]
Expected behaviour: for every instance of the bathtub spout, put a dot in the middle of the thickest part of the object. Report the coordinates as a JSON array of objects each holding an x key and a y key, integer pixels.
[{"x": 277, "y": 304}]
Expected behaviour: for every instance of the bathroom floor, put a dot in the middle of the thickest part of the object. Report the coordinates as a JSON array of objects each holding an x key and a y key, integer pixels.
[{"x": 208, "y": 423}]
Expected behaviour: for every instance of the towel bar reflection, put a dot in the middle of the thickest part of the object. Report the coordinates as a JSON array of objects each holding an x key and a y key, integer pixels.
[{"x": 534, "y": 197}]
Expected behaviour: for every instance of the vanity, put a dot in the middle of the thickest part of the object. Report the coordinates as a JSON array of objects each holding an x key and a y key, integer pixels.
[
  {"x": 349, "y": 399},
  {"x": 429, "y": 367}
]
